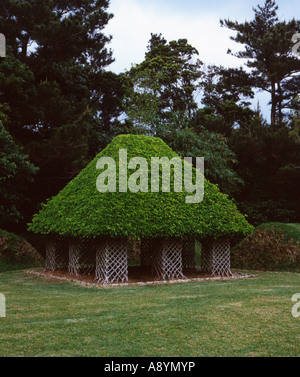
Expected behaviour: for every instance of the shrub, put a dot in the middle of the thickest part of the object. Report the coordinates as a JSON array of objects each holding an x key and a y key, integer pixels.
[
  {"x": 269, "y": 250},
  {"x": 290, "y": 231},
  {"x": 16, "y": 252}
]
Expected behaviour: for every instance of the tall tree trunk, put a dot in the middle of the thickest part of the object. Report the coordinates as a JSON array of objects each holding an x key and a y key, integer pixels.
[
  {"x": 280, "y": 99},
  {"x": 25, "y": 41},
  {"x": 273, "y": 101}
]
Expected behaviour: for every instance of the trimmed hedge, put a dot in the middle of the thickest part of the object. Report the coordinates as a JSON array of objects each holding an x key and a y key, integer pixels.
[
  {"x": 291, "y": 231},
  {"x": 17, "y": 253},
  {"x": 269, "y": 248},
  {"x": 79, "y": 210}
]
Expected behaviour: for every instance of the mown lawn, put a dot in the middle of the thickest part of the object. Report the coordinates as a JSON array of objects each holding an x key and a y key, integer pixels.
[{"x": 227, "y": 318}]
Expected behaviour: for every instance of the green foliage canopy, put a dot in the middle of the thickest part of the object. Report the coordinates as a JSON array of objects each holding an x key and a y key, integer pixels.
[{"x": 80, "y": 210}]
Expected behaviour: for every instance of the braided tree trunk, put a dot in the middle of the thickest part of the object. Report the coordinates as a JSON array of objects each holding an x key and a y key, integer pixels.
[
  {"x": 188, "y": 252},
  {"x": 167, "y": 259},
  {"x": 111, "y": 261},
  {"x": 215, "y": 257},
  {"x": 56, "y": 253}
]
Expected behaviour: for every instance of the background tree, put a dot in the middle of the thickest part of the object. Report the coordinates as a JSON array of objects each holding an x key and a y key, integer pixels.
[
  {"x": 268, "y": 48},
  {"x": 160, "y": 101},
  {"x": 294, "y": 118},
  {"x": 15, "y": 172},
  {"x": 269, "y": 160},
  {"x": 175, "y": 70},
  {"x": 54, "y": 90},
  {"x": 226, "y": 94}
]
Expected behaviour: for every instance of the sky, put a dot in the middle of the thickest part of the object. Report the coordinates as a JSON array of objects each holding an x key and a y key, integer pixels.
[{"x": 195, "y": 20}]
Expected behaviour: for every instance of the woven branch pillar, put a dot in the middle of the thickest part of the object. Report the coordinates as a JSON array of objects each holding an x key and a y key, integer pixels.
[
  {"x": 188, "y": 252},
  {"x": 82, "y": 257},
  {"x": 56, "y": 254},
  {"x": 215, "y": 257},
  {"x": 146, "y": 251},
  {"x": 111, "y": 261},
  {"x": 167, "y": 259}
]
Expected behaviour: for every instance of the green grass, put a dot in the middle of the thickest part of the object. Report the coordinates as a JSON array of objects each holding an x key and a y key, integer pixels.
[
  {"x": 226, "y": 318},
  {"x": 5, "y": 267},
  {"x": 291, "y": 231}
]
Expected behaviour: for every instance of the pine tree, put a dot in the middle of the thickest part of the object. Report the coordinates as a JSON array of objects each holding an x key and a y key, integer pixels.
[
  {"x": 54, "y": 88},
  {"x": 226, "y": 92},
  {"x": 268, "y": 50}
]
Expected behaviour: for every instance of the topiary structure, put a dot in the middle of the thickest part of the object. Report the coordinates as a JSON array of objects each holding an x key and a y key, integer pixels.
[
  {"x": 82, "y": 214},
  {"x": 80, "y": 210}
]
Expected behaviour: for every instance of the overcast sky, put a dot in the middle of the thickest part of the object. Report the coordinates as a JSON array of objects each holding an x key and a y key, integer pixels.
[{"x": 195, "y": 20}]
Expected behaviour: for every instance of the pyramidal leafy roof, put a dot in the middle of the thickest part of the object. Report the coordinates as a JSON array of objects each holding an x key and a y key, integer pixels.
[{"x": 80, "y": 210}]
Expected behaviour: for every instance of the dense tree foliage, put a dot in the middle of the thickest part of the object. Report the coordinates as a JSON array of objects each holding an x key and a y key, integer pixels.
[
  {"x": 174, "y": 68},
  {"x": 227, "y": 93},
  {"x": 268, "y": 50},
  {"x": 269, "y": 161},
  {"x": 268, "y": 155},
  {"x": 15, "y": 172},
  {"x": 54, "y": 89}
]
